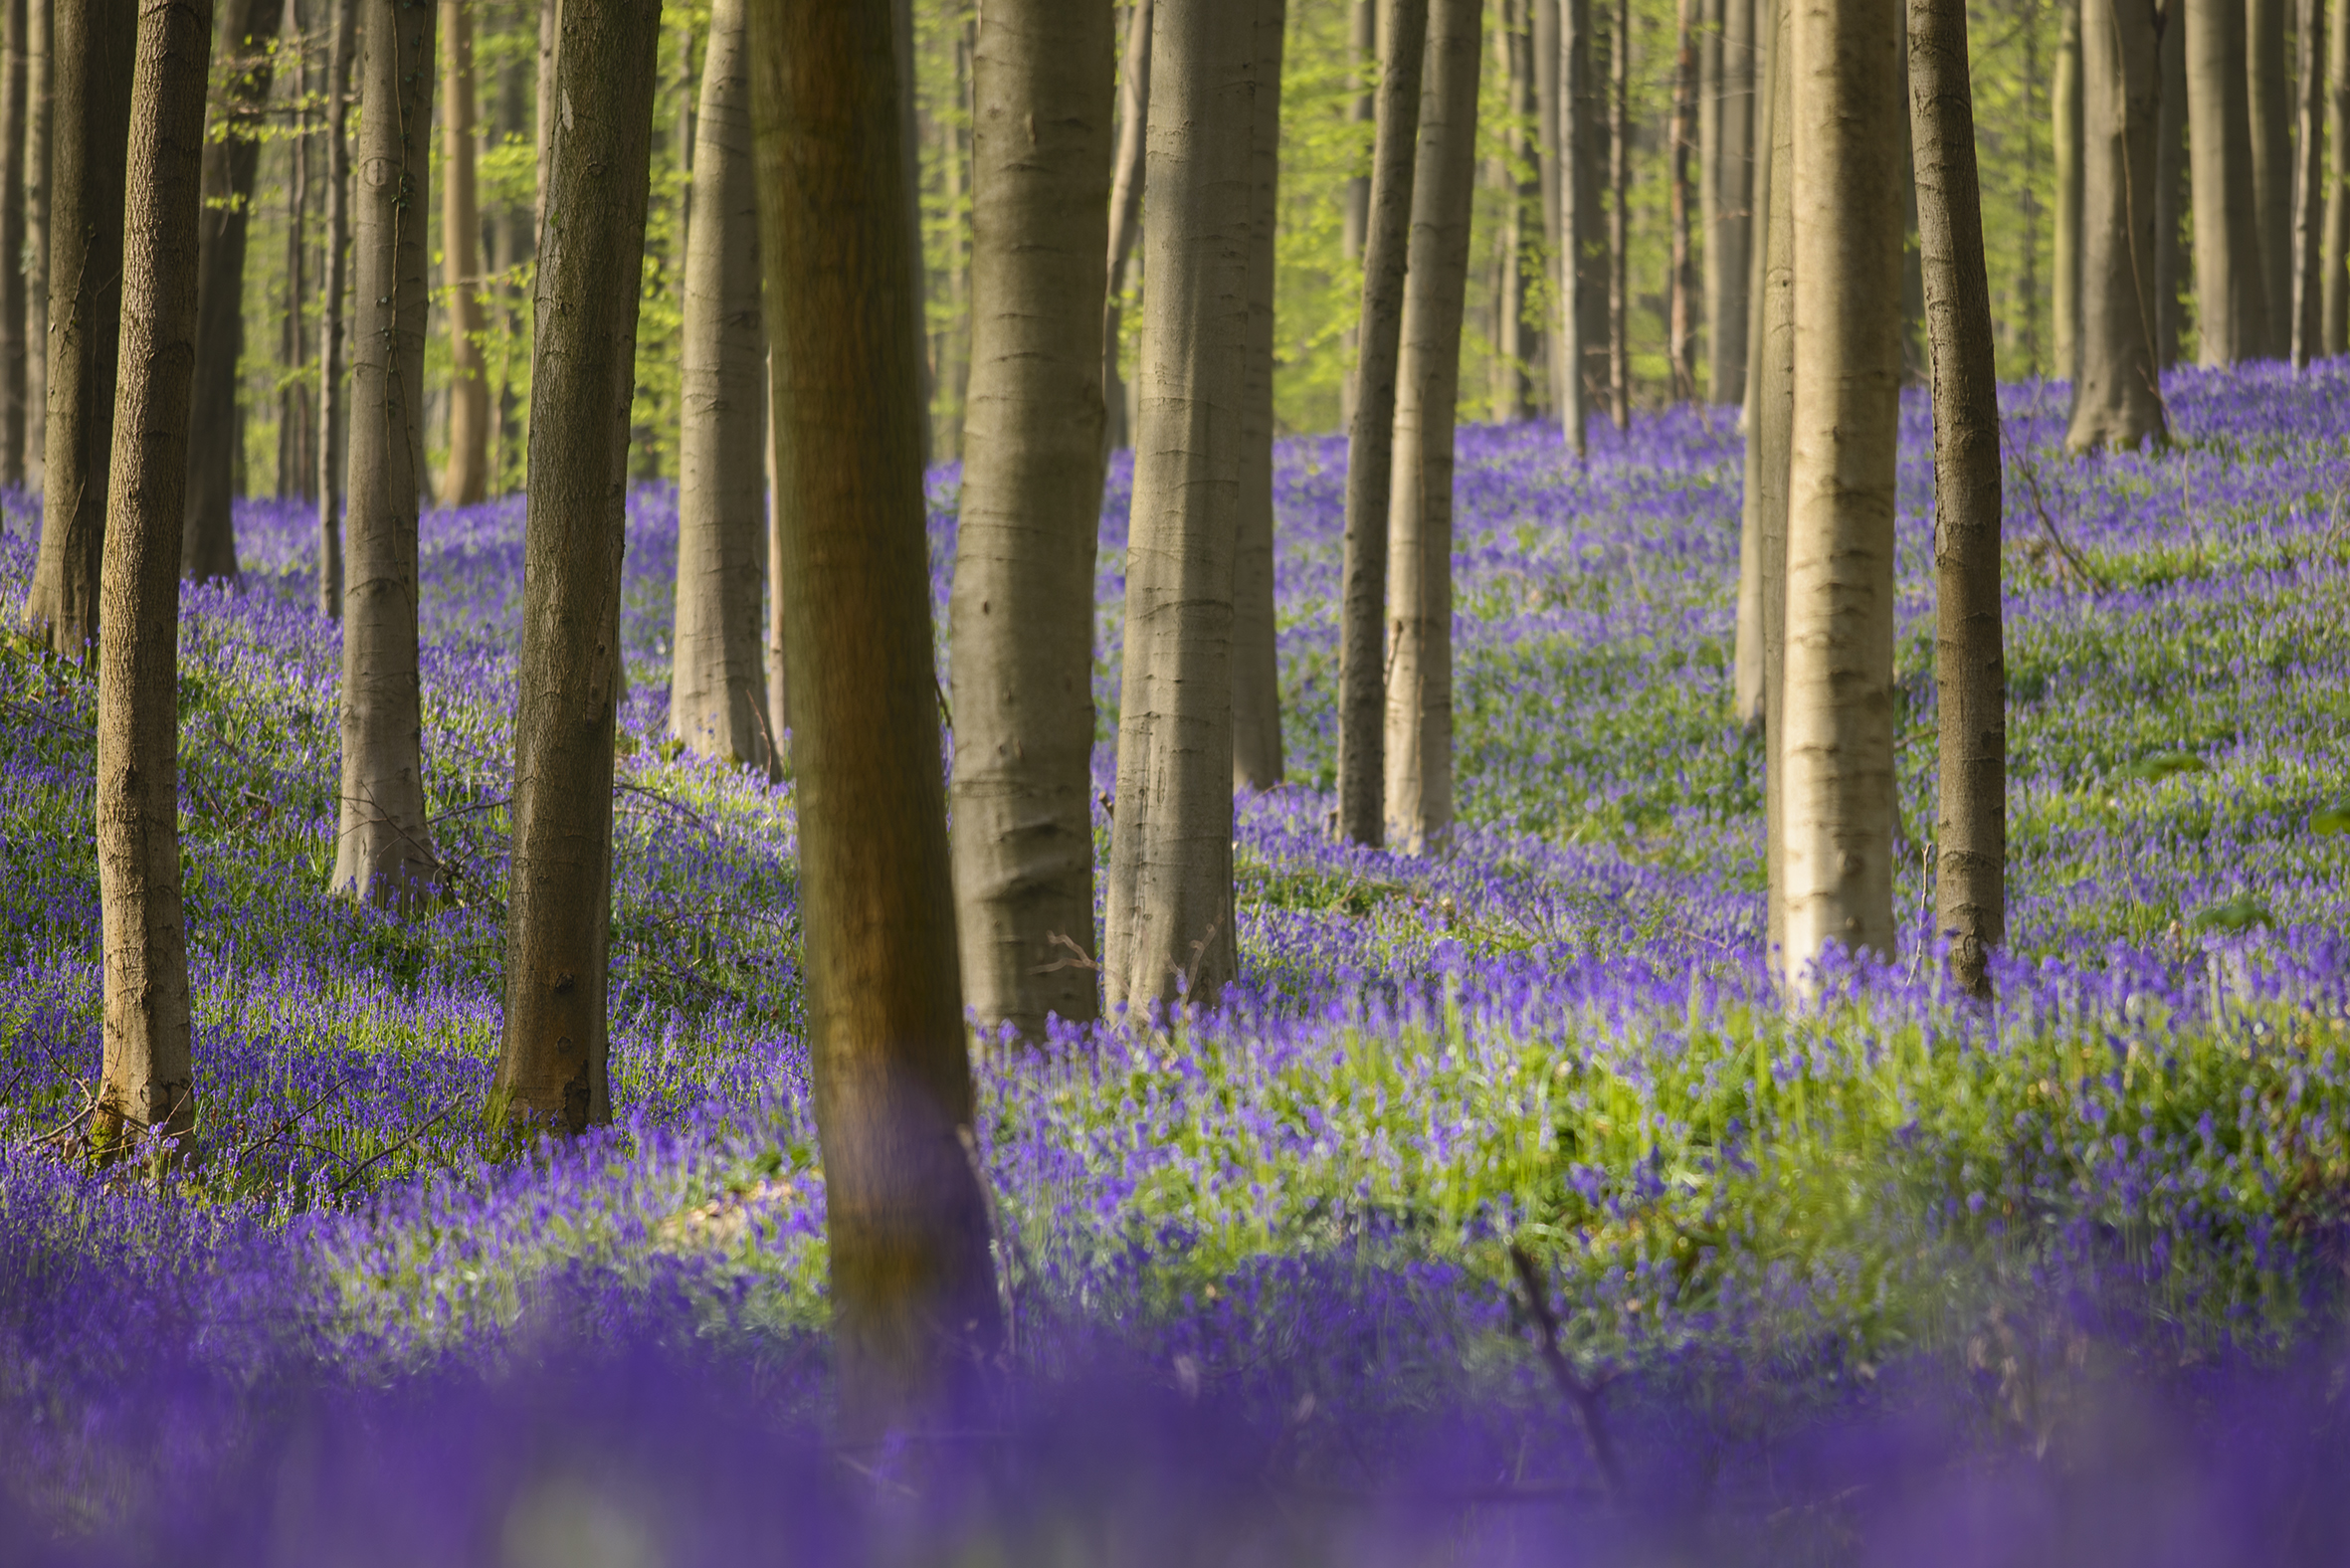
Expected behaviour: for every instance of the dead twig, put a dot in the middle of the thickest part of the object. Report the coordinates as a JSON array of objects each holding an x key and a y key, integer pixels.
[
  {"x": 1581, "y": 1396},
  {"x": 388, "y": 1150}
]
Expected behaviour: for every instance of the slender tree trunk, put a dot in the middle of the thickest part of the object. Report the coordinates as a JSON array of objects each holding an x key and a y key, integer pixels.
[
  {"x": 466, "y": 482},
  {"x": 341, "y": 31},
  {"x": 1729, "y": 237},
  {"x": 913, "y": 1292},
  {"x": 779, "y": 690},
  {"x": 2117, "y": 399},
  {"x": 1707, "y": 106},
  {"x": 36, "y": 253},
  {"x": 91, "y": 130},
  {"x": 383, "y": 847},
  {"x": 1021, "y": 606},
  {"x": 2270, "y": 102},
  {"x": 2171, "y": 271},
  {"x": 232, "y": 160},
  {"x": 1362, "y": 26},
  {"x": 2308, "y": 185},
  {"x": 1770, "y": 389},
  {"x": 1620, "y": 218},
  {"x": 2065, "y": 142},
  {"x": 2231, "y": 288},
  {"x": 1169, "y": 922},
  {"x": 2028, "y": 262},
  {"x": 1370, "y": 443},
  {"x": 1126, "y": 215},
  {"x": 1420, "y": 513},
  {"x": 297, "y": 467},
  {"x": 1256, "y": 663},
  {"x": 550, "y": 37},
  {"x": 552, "y": 1072},
  {"x": 1515, "y": 344},
  {"x": 2335, "y": 259},
  {"x": 1834, "y": 735},
  {"x": 1577, "y": 218},
  {"x": 717, "y": 688},
  {"x": 1547, "y": 118},
  {"x": 1970, "y": 675},
  {"x": 12, "y": 241},
  {"x": 148, "y": 1080},
  {"x": 1682, "y": 308}
]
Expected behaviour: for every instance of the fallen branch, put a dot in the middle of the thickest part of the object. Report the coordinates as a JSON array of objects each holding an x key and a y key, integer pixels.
[{"x": 1581, "y": 1396}]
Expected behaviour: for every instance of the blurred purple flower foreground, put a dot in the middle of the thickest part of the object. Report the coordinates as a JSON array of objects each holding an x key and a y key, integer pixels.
[{"x": 1894, "y": 1281}]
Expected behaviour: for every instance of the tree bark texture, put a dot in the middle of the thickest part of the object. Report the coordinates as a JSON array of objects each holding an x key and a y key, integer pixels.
[
  {"x": 2308, "y": 184},
  {"x": 2117, "y": 396},
  {"x": 1578, "y": 217},
  {"x": 334, "y": 238},
  {"x": 553, "y": 1071},
  {"x": 1256, "y": 653},
  {"x": 1362, "y": 25},
  {"x": 1169, "y": 922},
  {"x": 1681, "y": 311},
  {"x": 2334, "y": 260},
  {"x": 297, "y": 464},
  {"x": 551, "y": 35},
  {"x": 2271, "y": 104},
  {"x": 1708, "y": 106},
  {"x": 717, "y": 683},
  {"x": 914, "y": 1304},
  {"x": 383, "y": 847},
  {"x": 2172, "y": 275},
  {"x": 38, "y": 98},
  {"x": 231, "y": 158},
  {"x": 1970, "y": 673},
  {"x": 466, "y": 482},
  {"x": 2065, "y": 142},
  {"x": 91, "y": 130},
  {"x": 1544, "y": 38},
  {"x": 2231, "y": 288},
  {"x": 1370, "y": 441},
  {"x": 12, "y": 241},
  {"x": 1021, "y": 611},
  {"x": 148, "y": 1080},
  {"x": 1516, "y": 344},
  {"x": 1620, "y": 217},
  {"x": 1730, "y": 236},
  {"x": 1125, "y": 217},
  {"x": 1770, "y": 307},
  {"x": 1420, "y": 509},
  {"x": 1835, "y": 730},
  {"x": 1770, "y": 468}
]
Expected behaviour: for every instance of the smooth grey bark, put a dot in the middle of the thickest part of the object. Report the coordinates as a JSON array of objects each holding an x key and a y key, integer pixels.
[
  {"x": 36, "y": 254},
  {"x": 334, "y": 238},
  {"x": 915, "y": 1307},
  {"x": 1515, "y": 344},
  {"x": 1256, "y": 667},
  {"x": 1763, "y": 500},
  {"x": 384, "y": 852},
  {"x": 1711, "y": 21},
  {"x": 1419, "y": 793},
  {"x": 12, "y": 241},
  {"x": 1169, "y": 920},
  {"x": 1834, "y": 731},
  {"x": 2172, "y": 271},
  {"x": 2117, "y": 396},
  {"x": 91, "y": 130},
  {"x": 1620, "y": 216},
  {"x": 1682, "y": 319},
  {"x": 950, "y": 342},
  {"x": 465, "y": 480},
  {"x": 1125, "y": 217},
  {"x": 1021, "y": 611},
  {"x": 1970, "y": 673},
  {"x": 297, "y": 464},
  {"x": 717, "y": 683},
  {"x": 1729, "y": 236},
  {"x": 2334, "y": 260},
  {"x": 1370, "y": 441},
  {"x": 2231, "y": 288},
  {"x": 231, "y": 161},
  {"x": 550, "y": 38},
  {"x": 1578, "y": 217},
  {"x": 2270, "y": 102},
  {"x": 2065, "y": 143},
  {"x": 1545, "y": 41},
  {"x": 2308, "y": 184},
  {"x": 147, "y": 1081},
  {"x": 1362, "y": 27},
  {"x": 779, "y": 686}
]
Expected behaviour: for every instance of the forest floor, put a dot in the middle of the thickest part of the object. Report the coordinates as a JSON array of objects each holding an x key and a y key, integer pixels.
[{"x": 1892, "y": 1275}]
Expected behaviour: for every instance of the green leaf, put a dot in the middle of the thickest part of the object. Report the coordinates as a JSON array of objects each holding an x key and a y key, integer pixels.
[
  {"x": 2331, "y": 819},
  {"x": 2165, "y": 764},
  {"x": 2238, "y": 915}
]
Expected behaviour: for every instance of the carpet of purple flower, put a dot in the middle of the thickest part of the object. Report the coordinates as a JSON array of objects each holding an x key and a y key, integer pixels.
[{"x": 1888, "y": 1278}]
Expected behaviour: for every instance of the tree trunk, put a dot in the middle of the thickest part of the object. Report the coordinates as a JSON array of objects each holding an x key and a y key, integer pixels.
[
  {"x": 1970, "y": 680},
  {"x": 1420, "y": 513},
  {"x": 2028, "y": 335},
  {"x": 36, "y": 253},
  {"x": 914, "y": 1305},
  {"x": 148, "y": 1080},
  {"x": 951, "y": 343},
  {"x": 1620, "y": 218},
  {"x": 342, "y": 30},
  {"x": 2270, "y": 100},
  {"x": 1125, "y": 217},
  {"x": 1021, "y": 632},
  {"x": 717, "y": 688},
  {"x": 383, "y": 847},
  {"x": 297, "y": 465},
  {"x": 1577, "y": 217},
  {"x": 1835, "y": 741},
  {"x": 1256, "y": 663},
  {"x": 1729, "y": 236},
  {"x": 1169, "y": 920},
  {"x": 2117, "y": 399},
  {"x": 779, "y": 687},
  {"x": 2308, "y": 184},
  {"x": 2171, "y": 274},
  {"x": 1707, "y": 106},
  {"x": 231, "y": 158},
  {"x": 91, "y": 130},
  {"x": 2065, "y": 140},
  {"x": 1370, "y": 443},
  {"x": 2335, "y": 261},
  {"x": 1682, "y": 308},
  {"x": 466, "y": 482},
  {"x": 1362, "y": 27},
  {"x": 1543, "y": 39},
  {"x": 12, "y": 241},
  {"x": 1515, "y": 344},
  {"x": 2231, "y": 288},
  {"x": 550, "y": 37},
  {"x": 1769, "y": 278}
]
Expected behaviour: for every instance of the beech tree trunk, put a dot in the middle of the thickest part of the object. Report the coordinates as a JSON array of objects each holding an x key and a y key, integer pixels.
[
  {"x": 550, "y": 34},
  {"x": 1125, "y": 217},
  {"x": 1420, "y": 511},
  {"x": 951, "y": 352},
  {"x": 38, "y": 98},
  {"x": 1708, "y": 20},
  {"x": 1577, "y": 219},
  {"x": 12, "y": 241},
  {"x": 1729, "y": 236},
  {"x": 1836, "y": 735},
  {"x": 915, "y": 1307},
  {"x": 717, "y": 683},
  {"x": 1169, "y": 922},
  {"x": 1620, "y": 218},
  {"x": 2335, "y": 254},
  {"x": 2117, "y": 398},
  {"x": 1255, "y": 665},
  {"x": 1770, "y": 385},
  {"x": 1021, "y": 613},
  {"x": 342, "y": 39},
  {"x": 1370, "y": 441},
  {"x": 2172, "y": 273},
  {"x": 466, "y": 482},
  {"x": 1515, "y": 343},
  {"x": 231, "y": 158},
  {"x": 2065, "y": 142},
  {"x": 2271, "y": 104},
  {"x": 91, "y": 130},
  {"x": 1970, "y": 673},
  {"x": 2231, "y": 288},
  {"x": 1681, "y": 311},
  {"x": 2308, "y": 184},
  {"x": 147, "y": 1081},
  {"x": 1362, "y": 26},
  {"x": 1544, "y": 40},
  {"x": 383, "y": 845},
  {"x": 297, "y": 465}
]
